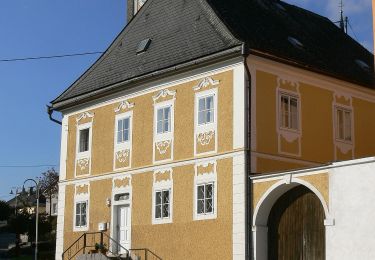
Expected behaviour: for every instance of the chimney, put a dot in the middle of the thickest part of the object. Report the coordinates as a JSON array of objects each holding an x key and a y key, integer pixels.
[
  {"x": 133, "y": 6},
  {"x": 130, "y": 9}
]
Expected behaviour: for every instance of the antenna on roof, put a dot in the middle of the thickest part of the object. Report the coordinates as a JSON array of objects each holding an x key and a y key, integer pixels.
[{"x": 343, "y": 21}]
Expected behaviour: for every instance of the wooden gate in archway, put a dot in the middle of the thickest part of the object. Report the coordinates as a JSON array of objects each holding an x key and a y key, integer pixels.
[{"x": 296, "y": 227}]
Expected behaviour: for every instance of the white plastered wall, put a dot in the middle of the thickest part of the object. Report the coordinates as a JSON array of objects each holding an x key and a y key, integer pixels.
[
  {"x": 61, "y": 197},
  {"x": 239, "y": 169},
  {"x": 349, "y": 217},
  {"x": 352, "y": 204}
]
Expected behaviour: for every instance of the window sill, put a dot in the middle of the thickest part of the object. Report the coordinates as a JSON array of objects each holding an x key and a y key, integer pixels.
[
  {"x": 80, "y": 229},
  {"x": 344, "y": 142},
  {"x": 205, "y": 217},
  {"x": 162, "y": 221}
]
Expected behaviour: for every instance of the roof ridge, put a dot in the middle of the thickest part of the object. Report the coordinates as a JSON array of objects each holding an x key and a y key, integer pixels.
[{"x": 207, "y": 6}]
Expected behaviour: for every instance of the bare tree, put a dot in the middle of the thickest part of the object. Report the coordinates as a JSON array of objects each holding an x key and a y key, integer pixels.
[{"x": 49, "y": 185}]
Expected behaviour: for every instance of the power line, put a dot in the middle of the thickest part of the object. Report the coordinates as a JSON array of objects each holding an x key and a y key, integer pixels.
[
  {"x": 28, "y": 166},
  {"x": 351, "y": 28},
  {"x": 51, "y": 57}
]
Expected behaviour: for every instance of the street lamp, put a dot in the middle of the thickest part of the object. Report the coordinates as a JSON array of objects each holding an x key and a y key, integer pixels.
[
  {"x": 16, "y": 195},
  {"x": 37, "y": 214}
]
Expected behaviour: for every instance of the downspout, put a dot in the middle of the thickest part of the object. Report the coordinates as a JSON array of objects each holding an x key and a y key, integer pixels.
[
  {"x": 248, "y": 187},
  {"x": 50, "y": 112}
]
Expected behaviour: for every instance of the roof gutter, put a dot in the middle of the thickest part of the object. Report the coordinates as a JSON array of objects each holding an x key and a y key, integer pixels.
[
  {"x": 50, "y": 112},
  {"x": 58, "y": 106}
]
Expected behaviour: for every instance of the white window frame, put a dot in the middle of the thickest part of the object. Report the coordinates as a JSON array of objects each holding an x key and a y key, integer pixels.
[
  {"x": 85, "y": 154},
  {"x": 204, "y": 128},
  {"x": 167, "y": 135},
  {"x": 205, "y": 179},
  {"x": 80, "y": 198},
  {"x": 283, "y": 93},
  {"x": 336, "y": 124},
  {"x": 122, "y": 118},
  {"x": 205, "y": 184},
  {"x": 159, "y": 186},
  {"x": 75, "y": 214},
  {"x": 163, "y": 120},
  {"x": 205, "y": 109},
  {"x": 162, "y": 219},
  {"x": 127, "y": 145}
]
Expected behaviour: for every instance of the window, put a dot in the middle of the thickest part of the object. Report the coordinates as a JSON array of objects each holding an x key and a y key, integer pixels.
[
  {"x": 343, "y": 124},
  {"x": 84, "y": 138},
  {"x": 206, "y": 110},
  {"x": 164, "y": 120},
  {"x": 205, "y": 199},
  {"x": 162, "y": 204},
  {"x": 289, "y": 112},
  {"x": 81, "y": 214},
  {"x": 123, "y": 130}
]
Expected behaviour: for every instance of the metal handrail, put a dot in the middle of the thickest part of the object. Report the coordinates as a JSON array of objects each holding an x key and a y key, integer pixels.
[
  {"x": 116, "y": 243},
  {"x": 146, "y": 250},
  {"x": 77, "y": 240},
  {"x": 111, "y": 242},
  {"x": 84, "y": 244}
]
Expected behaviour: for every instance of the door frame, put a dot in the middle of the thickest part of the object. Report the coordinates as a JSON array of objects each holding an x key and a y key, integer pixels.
[
  {"x": 116, "y": 233},
  {"x": 115, "y": 204}
]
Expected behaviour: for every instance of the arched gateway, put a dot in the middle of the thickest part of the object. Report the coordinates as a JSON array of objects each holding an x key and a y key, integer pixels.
[
  {"x": 289, "y": 223},
  {"x": 296, "y": 226}
]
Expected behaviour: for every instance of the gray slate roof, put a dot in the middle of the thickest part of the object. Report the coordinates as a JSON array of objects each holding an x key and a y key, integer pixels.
[{"x": 182, "y": 31}]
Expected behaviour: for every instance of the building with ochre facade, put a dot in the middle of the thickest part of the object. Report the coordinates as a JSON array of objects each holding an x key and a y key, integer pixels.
[{"x": 161, "y": 134}]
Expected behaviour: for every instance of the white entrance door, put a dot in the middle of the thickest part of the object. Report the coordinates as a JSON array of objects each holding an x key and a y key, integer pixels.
[{"x": 123, "y": 227}]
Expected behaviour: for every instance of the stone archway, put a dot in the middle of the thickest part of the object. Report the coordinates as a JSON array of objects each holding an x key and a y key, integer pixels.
[{"x": 264, "y": 207}]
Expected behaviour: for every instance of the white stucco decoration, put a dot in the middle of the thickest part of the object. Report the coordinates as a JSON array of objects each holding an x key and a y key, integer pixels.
[
  {"x": 84, "y": 116},
  {"x": 164, "y": 93},
  {"x": 124, "y": 105},
  {"x": 207, "y": 81}
]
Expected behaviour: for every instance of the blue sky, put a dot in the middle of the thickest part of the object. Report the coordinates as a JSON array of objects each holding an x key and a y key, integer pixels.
[{"x": 51, "y": 27}]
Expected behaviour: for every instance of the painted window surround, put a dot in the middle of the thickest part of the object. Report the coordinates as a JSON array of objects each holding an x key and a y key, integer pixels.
[
  {"x": 163, "y": 185},
  {"x": 79, "y": 198},
  {"x": 126, "y": 145},
  {"x": 206, "y": 129},
  {"x": 85, "y": 154},
  {"x": 205, "y": 178},
  {"x": 290, "y": 135},
  {"x": 163, "y": 141},
  {"x": 342, "y": 145}
]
